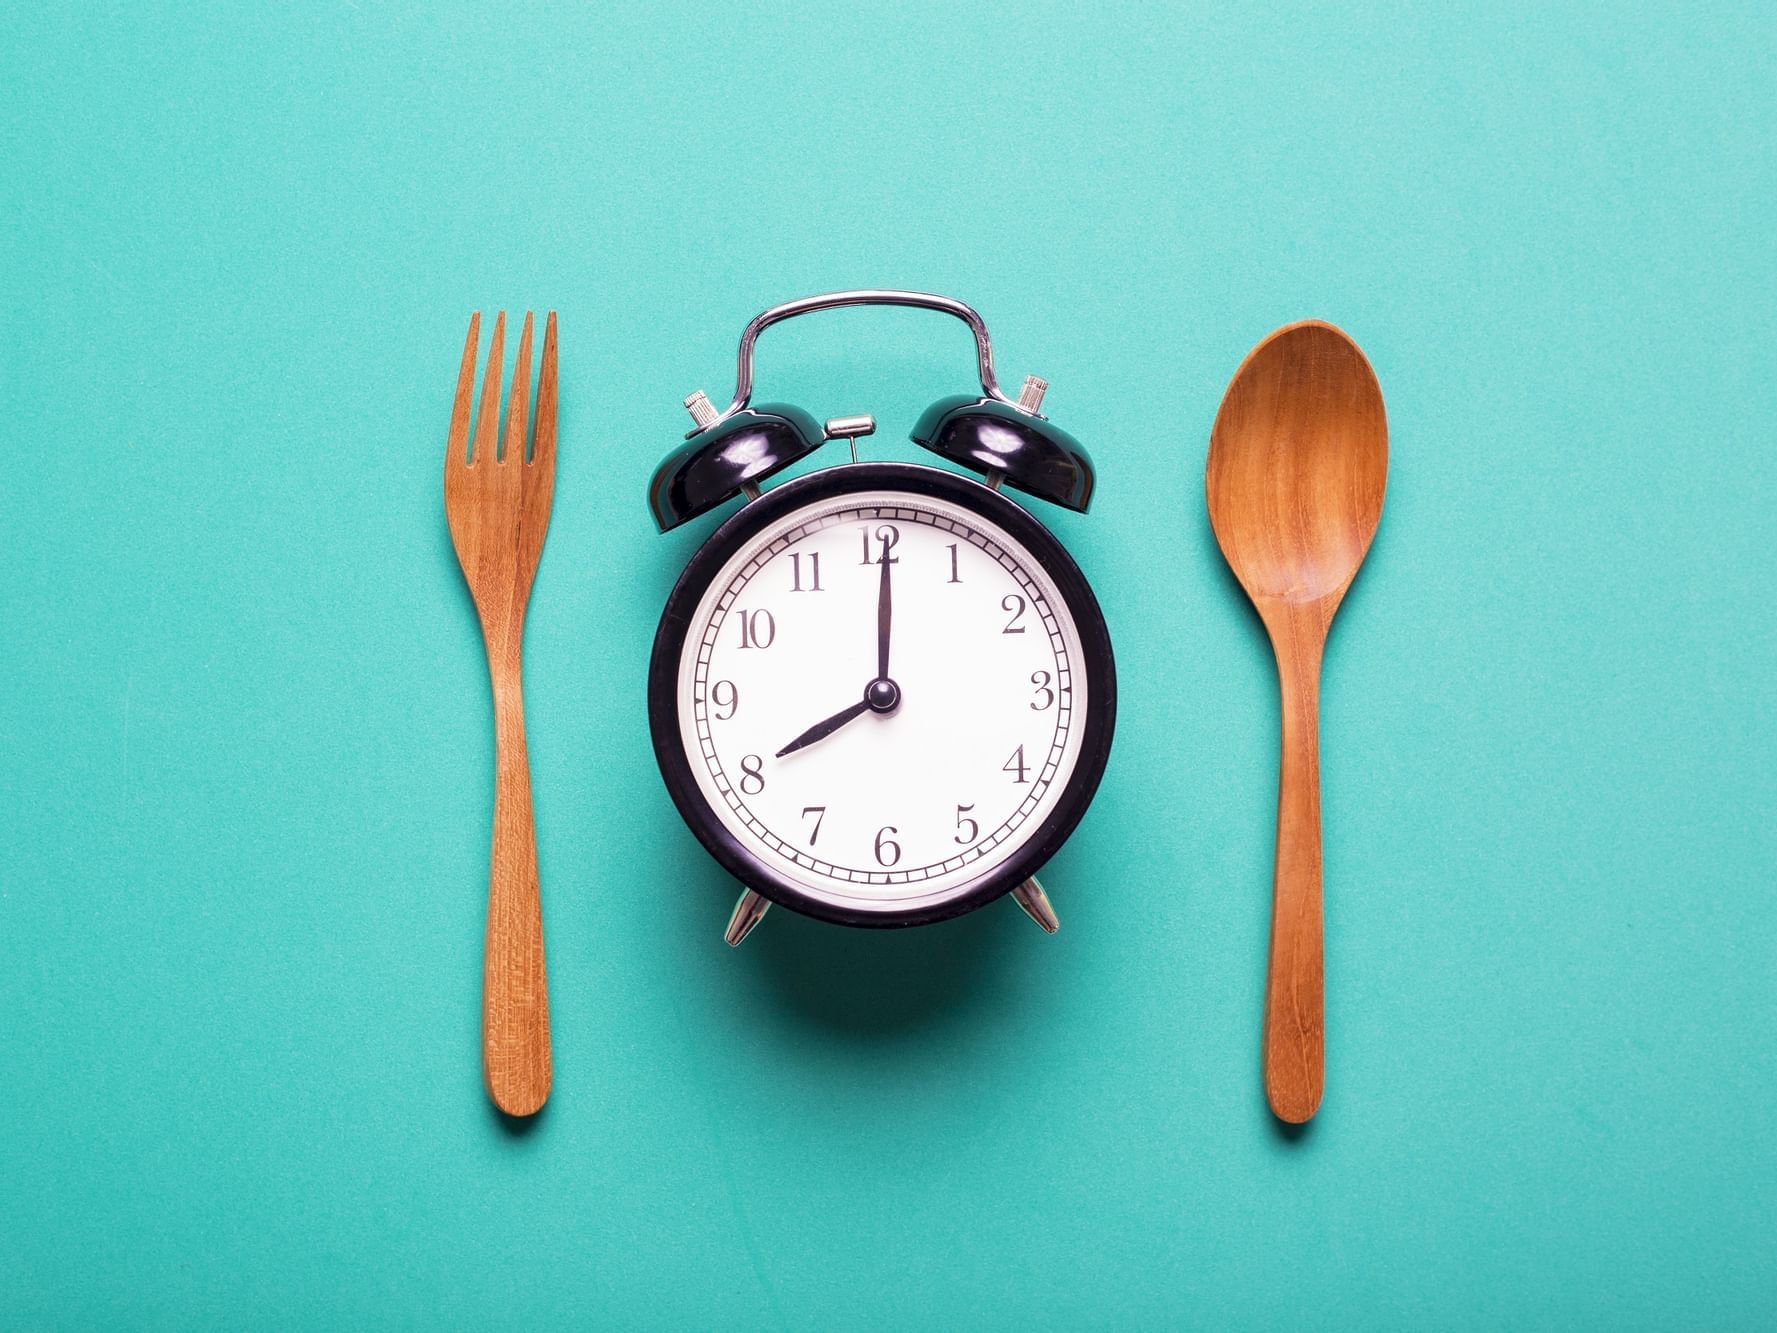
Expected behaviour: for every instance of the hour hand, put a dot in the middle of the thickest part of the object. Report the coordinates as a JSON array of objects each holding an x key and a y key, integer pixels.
[{"x": 821, "y": 730}]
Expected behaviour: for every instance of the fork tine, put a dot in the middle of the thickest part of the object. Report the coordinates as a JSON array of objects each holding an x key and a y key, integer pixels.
[
  {"x": 518, "y": 402},
  {"x": 543, "y": 446},
  {"x": 489, "y": 411},
  {"x": 457, "y": 443}
]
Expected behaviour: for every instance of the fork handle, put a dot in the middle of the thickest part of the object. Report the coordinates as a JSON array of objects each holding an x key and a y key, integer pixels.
[{"x": 515, "y": 993}]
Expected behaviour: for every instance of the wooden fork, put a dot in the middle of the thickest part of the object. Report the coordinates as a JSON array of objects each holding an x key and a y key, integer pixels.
[{"x": 498, "y": 509}]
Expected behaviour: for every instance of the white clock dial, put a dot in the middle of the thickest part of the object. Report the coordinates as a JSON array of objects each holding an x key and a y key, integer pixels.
[{"x": 909, "y": 802}]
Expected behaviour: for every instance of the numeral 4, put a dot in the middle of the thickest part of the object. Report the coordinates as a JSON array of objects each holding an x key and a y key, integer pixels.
[{"x": 1016, "y": 766}]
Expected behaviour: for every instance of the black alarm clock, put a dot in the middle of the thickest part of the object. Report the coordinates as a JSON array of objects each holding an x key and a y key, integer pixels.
[{"x": 881, "y": 694}]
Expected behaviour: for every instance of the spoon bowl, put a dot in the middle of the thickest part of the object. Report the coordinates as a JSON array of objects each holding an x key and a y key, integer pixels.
[{"x": 1298, "y": 461}]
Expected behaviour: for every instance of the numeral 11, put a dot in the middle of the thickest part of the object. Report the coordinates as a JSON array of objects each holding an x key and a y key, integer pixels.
[{"x": 814, "y": 572}]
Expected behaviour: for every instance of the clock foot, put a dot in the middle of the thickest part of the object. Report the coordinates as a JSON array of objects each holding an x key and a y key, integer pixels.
[
  {"x": 1030, "y": 896},
  {"x": 747, "y": 913}
]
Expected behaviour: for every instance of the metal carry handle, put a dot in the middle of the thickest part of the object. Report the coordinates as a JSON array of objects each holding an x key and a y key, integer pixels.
[{"x": 743, "y": 376}]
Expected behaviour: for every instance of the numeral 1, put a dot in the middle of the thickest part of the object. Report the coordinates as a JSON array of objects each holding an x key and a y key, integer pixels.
[{"x": 954, "y": 577}]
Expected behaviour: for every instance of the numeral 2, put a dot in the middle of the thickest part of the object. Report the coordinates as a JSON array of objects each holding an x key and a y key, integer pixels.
[{"x": 1015, "y": 604}]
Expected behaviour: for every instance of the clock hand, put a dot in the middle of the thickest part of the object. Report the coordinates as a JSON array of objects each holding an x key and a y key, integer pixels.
[
  {"x": 821, "y": 730},
  {"x": 883, "y": 615},
  {"x": 880, "y": 696}
]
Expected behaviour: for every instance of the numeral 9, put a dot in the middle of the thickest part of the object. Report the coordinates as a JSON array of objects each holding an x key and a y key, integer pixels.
[{"x": 731, "y": 703}]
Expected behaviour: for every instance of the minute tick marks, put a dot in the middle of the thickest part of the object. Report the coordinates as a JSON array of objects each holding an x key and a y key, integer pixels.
[{"x": 926, "y": 735}]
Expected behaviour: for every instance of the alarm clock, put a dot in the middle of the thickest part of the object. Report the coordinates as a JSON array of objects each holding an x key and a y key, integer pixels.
[{"x": 880, "y": 694}]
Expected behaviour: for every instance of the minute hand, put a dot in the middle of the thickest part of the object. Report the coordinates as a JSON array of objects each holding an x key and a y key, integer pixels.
[
  {"x": 821, "y": 730},
  {"x": 884, "y": 615}
]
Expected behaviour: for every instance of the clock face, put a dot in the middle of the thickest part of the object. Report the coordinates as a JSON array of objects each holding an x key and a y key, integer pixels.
[{"x": 882, "y": 696}]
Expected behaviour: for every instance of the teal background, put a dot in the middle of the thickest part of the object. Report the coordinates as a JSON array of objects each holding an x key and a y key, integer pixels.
[{"x": 245, "y": 752}]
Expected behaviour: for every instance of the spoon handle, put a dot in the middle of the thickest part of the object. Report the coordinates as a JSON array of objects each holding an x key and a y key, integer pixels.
[{"x": 1294, "y": 1007}]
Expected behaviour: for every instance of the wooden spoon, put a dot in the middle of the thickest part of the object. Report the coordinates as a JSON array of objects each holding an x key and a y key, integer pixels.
[{"x": 1297, "y": 464}]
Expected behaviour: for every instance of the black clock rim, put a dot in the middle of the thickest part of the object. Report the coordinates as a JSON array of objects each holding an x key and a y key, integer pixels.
[{"x": 675, "y": 622}]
